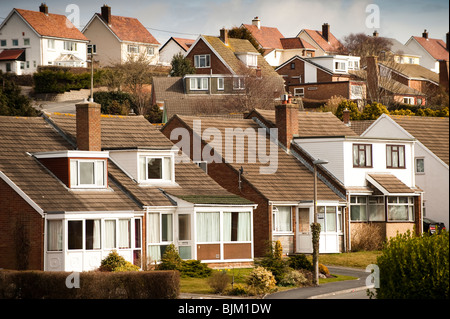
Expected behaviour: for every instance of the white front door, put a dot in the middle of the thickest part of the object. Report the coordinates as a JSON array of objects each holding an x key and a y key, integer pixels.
[{"x": 304, "y": 238}]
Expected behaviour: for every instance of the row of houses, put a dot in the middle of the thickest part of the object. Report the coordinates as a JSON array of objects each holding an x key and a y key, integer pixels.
[
  {"x": 34, "y": 38},
  {"x": 75, "y": 187}
]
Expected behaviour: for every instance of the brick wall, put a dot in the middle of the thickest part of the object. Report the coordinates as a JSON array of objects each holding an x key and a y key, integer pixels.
[
  {"x": 88, "y": 126},
  {"x": 19, "y": 223},
  {"x": 217, "y": 67},
  {"x": 323, "y": 91}
]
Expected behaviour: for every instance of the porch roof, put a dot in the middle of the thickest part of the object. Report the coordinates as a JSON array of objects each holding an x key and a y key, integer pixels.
[
  {"x": 389, "y": 184},
  {"x": 12, "y": 54}
]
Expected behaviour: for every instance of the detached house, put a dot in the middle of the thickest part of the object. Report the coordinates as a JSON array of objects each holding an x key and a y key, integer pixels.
[
  {"x": 431, "y": 50},
  {"x": 172, "y": 47},
  {"x": 277, "y": 48},
  {"x": 115, "y": 39},
  {"x": 74, "y": 188},
  {"x": 324, "y": 41},
  {"x": 29, "y": 39}
]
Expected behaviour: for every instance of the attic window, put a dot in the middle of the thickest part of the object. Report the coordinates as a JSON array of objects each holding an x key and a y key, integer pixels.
[
  {"x": 202, "y": 61},
  {"x": 86, "y": 173},
  {"x": 249, "y": 59},
  {"x": 155, "y": 168}
]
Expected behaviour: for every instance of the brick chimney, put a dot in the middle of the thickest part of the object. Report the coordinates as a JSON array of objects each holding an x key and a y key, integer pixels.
[
  {"x": 346, "y": 116},
  {"x": 372, "y": 77},
  {"x": 224, "y": 35},
  {"x": 425, "y": 34},
  {"x": 88, "y": 126},
  {"x": 43, "y": 8},
  {"x": 286, "y": 118},
  {"x": 106, "y": 14},
  {"x": 326, "y": 31},
  {"x": 443, "y": 74},
  {"x": 257, "y": 22}
]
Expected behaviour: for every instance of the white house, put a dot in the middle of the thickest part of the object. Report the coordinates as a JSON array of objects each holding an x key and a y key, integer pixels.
[
  {"x": 172, "y": 47},
  {"x": 116, "y": 38},
  {"x": 431, "y": 159},
  {"x": 378, "y": 175},
  {"x": 29, "y": 39}
]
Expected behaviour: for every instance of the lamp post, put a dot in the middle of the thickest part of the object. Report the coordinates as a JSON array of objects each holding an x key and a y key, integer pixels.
[
  {"x": 90, "y": 49},
  {"x": 315, "y": 227}
]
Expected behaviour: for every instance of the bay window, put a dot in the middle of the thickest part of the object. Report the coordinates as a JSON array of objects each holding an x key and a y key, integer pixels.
[
  {"x": 400, "y": 208},
  {"x": 358, "y": 208},
  {"x": 367, "y": 208}
]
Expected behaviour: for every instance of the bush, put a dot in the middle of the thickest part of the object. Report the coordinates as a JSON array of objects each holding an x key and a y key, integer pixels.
[
  {"x": 238, "y": 290},
  {"x": 414, "y": 267},
  {"x": 349, "y": 105},
  {"x": 293, "y": 278},
  {"x": 261, "y": 281},
  {"x": 324, "y": 270},
  {"x": 93, "y": 285},
  {"x": 61, "y": 80},
  {"x": 273, "y": 260},
  {"x": 373, "y": 111},
  {"x": 115, "y": 102},
  {"x": 219, "y": 281},
  {"x": 194, "y": 268},
  {"x": 300, "y": 262},
  {"x": 170, "y": 260},
  {"x": 115, "y": 262}
]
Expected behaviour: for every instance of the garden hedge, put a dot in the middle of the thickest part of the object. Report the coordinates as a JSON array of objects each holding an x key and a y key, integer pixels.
[{"x": 92, "y": 285}]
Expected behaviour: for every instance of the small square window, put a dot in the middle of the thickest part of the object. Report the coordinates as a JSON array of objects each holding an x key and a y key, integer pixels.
[
  {"x": 420, "y": 166},
  {"x": 3, "y": 43},
  {"x": 15, "y": 42},
  {"x": 26, "y": 41}
]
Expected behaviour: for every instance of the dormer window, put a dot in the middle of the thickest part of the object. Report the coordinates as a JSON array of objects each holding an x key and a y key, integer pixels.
[
  {"x": 87, "y": 173},
  {"x": 155, "y": 168},
  {"x": 250, "y": 59}
]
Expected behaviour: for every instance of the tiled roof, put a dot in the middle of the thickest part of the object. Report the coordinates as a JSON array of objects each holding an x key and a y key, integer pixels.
[
  {"x": 390, "y": 183},
  {"x": 184, "y": 43},
  {"x": 313, "y": 124},
  {"x": 360, "y": 126},
  {"x": 11, "y": 54},
  {"x": 136, "y": 132},
  {"x": 206, "y": 105},
  {"x": 292, "y": 181},
  {"x": 130, "y": 29},
  {"x": 417, "y": 72},
  {"x": 433, "y": 132},
  {"x": 267, "y": 37},
  {"x": 295, "y": 43},
  {"x": 227, "y": 52},
  {"x": 24, "y": 136},
  {"x": 332, "y": 45},
  {"x": 52, "y": 25},
  {"x": 435, "y": 47}
]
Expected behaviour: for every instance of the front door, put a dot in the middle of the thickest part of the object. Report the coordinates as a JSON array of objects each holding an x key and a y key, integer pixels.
[{"x": 304, "y": 237}]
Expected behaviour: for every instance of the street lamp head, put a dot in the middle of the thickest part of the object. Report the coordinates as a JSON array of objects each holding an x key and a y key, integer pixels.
[{"x": 320, "y": 161}]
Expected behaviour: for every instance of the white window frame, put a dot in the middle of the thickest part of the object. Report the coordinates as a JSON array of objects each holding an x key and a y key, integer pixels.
[
  {"x": 78, "y": 185},
  {"x": 220, "y": 84},
  {"x": 238, "y": 83},
  {"x": 70, "y": 46},
  {"x": 408, "y": 100},
  {"x": 132, "y": 49},
  {"x": 339, "y": 66},
  {"x": 150, "y": 51},
  {"x": 252, "y": 60},
  {"x": 51, "y": 44},
  {"x": 25, "y": 40},
  {"x": 275, "y": 221},
  {"x": 416, "y": 166},
  {"x": 160, "y": 241},
  {"x": 202, "y": 59},
  {"x": 198, "y": 83},
  {"x": 299, "y": 92},
  {"x": 409, "y": 204},
  {"x": 163, "y": 174}
]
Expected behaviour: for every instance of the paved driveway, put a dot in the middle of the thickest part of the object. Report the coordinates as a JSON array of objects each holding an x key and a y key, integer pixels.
[{"x": 60, "y": 107}]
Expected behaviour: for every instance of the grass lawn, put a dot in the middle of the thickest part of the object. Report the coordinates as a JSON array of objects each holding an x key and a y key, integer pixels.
[{"x": 360, "y": 259}]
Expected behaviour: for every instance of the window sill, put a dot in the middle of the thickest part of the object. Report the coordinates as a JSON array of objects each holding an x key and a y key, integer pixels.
[{"x": 283, "y": 233}]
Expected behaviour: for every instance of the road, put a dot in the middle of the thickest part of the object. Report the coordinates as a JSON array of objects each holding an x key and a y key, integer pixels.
[{"x": 58, "y": 107}]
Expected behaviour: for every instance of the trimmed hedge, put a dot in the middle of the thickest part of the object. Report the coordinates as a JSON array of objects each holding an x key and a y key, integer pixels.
[
  {"x": 92, "y": 285},
  {"x": 415, "y": 267}
]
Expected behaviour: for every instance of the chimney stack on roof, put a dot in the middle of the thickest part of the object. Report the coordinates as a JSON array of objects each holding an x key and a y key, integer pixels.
[
  {"x": 257, "y": 22},
  {"x": 88, "y": 126},
  {"x": 425, "y": 34},
  {"x": 443, "y": 74},
  {"x": 286, "y": 118},
  {"x": 106, "y": 14},
  {"x": 43, "y": 8},
  {"x": 346, "y": 116},
  {"x": 224, "y": 35},
  {"x": 326, "y": 31},
  {"x": 372, "y": 77}
]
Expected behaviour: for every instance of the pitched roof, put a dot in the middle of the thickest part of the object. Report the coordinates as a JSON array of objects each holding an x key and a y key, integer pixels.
[
  {"x": 295, "y": 43},
  {"x": 11, "y": 54},
  {"x": 312, "y": 124},
  {"x": 328, "y": 46},
  {"x": 267, "y": 37},
  {"x": 292, "y": 181},
  {"x": 135, "y": 132},
  {"x": 389, "y": 184},
  {"x": 435, "y": 47},
  {"x": 23, "y": 136},
  {"x": 433, "y": 132},
  {"x": 415, "y": 72},
  {"x": 129, "y": 29},
  {"x": 227, "y": 52},
  {"x": 51, "y": 25},
  {"x": 184, "y": 43}
]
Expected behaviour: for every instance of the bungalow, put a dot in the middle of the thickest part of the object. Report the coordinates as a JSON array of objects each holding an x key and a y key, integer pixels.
[
  {"x": 430, "y": 157},
  {"x": 115, "y": 39},
  {"x": 281, "y": 183},
  {"x": 29, "y": 39},
  {"x": 74, "y": 188}
]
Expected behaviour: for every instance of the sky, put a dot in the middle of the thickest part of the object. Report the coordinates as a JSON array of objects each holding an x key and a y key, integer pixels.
[{"x": 399, "y": 19}]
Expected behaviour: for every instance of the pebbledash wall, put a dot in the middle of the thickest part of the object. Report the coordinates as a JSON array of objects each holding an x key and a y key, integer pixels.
[{"x": 23, "y": 229}]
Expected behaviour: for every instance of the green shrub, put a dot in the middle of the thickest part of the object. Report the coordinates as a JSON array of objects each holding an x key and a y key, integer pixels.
[
  {"x": 293, "y": 278},
  {"x": 349, "y": 105},
  {"x": 300, "y": 262},
  {"x": 115, "y": 262},
  {"x": 414, "y": 267},
  {"x": 261, "y": 281},
  {"x": 170, "y": 260},
  {"x": 238, "y": 290},
  {"x": 273, "y": 260},
  {"x": 60, "y": 80},
  {"x": 194, "y": 268},
  {"x": 114, "y": 102}
]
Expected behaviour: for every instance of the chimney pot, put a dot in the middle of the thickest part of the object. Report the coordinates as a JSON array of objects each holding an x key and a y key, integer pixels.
[
  {"x": 43, "y": 8},
  {"x": 286, "y": 118},
  {"x": 257, "y": 22},
  {"x": 425, "y": 34},
  {"x": 326, "y": 31},
  {"x": 346, "y": 116},
  {"x": 88, "y": 126},
  {"x": 106, "y": 14}
]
